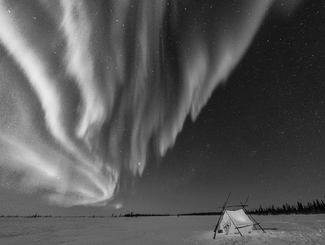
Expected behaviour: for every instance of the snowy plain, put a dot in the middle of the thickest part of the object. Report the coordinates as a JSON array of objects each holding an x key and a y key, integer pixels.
[{"x": 291, "y": 229}]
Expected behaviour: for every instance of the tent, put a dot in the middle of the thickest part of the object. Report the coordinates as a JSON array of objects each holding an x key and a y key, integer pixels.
[{"x": 235, "y": 222}]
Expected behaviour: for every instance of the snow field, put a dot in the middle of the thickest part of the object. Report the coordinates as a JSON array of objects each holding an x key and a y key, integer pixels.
[{"x": 291, "y": 229}]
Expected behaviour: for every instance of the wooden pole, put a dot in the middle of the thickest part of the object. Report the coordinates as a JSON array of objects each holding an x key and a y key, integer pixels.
[
  {"x": 223, "y": 208},
  {"x": 250, "y": 216},
  {"x": 234, "y": 224}
]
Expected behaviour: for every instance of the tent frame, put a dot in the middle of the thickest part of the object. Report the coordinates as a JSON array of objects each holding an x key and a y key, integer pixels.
[{"x": 255, "y": 223}]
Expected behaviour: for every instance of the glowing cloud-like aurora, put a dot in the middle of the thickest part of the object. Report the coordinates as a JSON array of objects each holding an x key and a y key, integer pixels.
[{"x": 86, "y": 86}]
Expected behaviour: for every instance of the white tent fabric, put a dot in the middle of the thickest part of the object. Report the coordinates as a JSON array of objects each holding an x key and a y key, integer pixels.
[{"x": 235, "y": 222}]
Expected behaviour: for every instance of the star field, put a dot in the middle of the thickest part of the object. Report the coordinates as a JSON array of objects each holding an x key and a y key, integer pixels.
[
  {"x": 200, "y": 98},
  {"x": 262, "y": 132}
]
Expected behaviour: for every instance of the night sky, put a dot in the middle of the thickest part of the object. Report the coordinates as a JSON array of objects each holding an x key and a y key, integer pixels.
[{"x": 200, "y": 98}]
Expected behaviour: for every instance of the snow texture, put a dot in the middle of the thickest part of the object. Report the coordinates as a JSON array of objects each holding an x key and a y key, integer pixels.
[{"x": 291, "y": 229}]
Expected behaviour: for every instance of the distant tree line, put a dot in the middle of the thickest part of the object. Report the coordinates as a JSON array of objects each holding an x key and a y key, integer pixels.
[
  {"x": 314, "y": 207},
  {"x": 200, "y": 213},
  {"x": 142, "y": 215}
]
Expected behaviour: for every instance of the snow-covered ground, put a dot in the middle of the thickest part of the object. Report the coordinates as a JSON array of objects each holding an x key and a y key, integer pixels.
[{"x": 291, "y": 229}]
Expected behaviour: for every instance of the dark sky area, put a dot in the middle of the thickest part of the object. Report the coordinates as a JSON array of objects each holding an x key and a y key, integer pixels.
[{"x": 261, "y": 134}]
